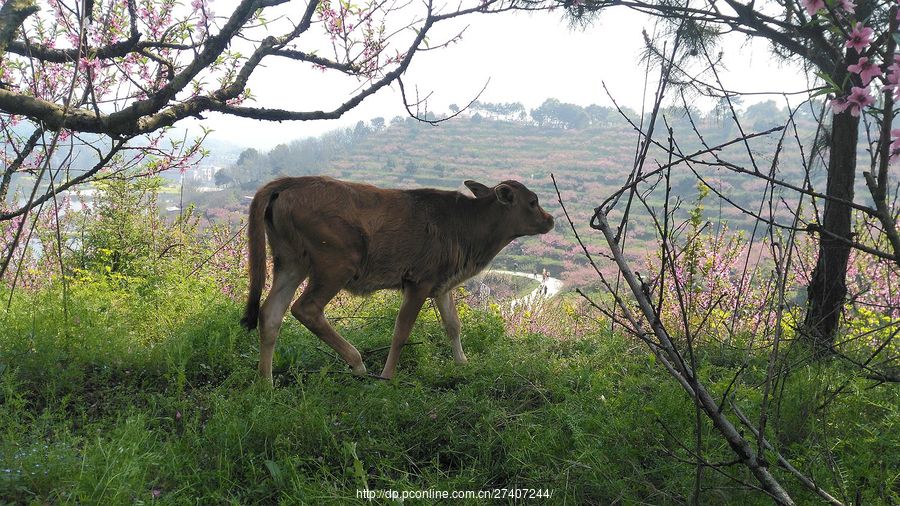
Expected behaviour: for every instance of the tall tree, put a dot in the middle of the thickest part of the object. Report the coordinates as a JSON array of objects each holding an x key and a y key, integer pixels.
[
  {"x": 115, "y": 74},
  {"x": 126, "y": 69},
  {"x": 852, "y": 49}
]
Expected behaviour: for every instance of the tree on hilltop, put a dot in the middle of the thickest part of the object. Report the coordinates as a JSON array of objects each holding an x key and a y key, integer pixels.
[{"x": 555, "y": 113}]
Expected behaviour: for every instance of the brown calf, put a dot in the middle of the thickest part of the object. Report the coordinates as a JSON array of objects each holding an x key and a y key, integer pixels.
[{"x": 362, "y": 238}]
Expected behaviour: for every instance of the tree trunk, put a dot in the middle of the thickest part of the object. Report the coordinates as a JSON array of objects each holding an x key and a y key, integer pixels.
[{"x": 828, "y": 286}]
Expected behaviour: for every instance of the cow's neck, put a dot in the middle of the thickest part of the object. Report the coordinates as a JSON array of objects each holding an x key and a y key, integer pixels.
[{"x": 486, "y": 232}]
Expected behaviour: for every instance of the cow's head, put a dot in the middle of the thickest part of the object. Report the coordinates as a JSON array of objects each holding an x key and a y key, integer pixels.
[{"x": 524, "y": 215}]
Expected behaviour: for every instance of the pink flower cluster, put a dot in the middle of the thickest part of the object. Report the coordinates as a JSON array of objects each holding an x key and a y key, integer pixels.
[
  {"x": 359, "y": 37},
  {"x": 201, "y": 7},
  {"x": 866, "y": 69},
  {"x": 860, "y": 37},
  {"x": 814, "y": 6},
  {"x": 871, "y": 282},
  {"x": 858, "y": 98}
]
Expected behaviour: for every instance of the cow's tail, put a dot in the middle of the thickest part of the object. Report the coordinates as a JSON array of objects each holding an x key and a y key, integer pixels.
[{"x": 256, "y": 241}]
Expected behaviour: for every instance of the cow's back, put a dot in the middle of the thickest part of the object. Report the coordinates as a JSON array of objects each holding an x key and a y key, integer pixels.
[{"x": 390, "y": 235}]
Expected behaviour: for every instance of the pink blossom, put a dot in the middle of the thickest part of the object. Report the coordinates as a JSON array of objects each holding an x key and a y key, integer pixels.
[
  {"x": 839, "y": 104},
  {"x": 859, "y": 97},
  {"x": 90, "y": 64},
  {"x": 813, "y": 6},
  {"x": 847, "y": 6},
  {"x": 860, "y": 37},
  {"x": 895, "y": 146},
  {"x": 866, "y": 70}
]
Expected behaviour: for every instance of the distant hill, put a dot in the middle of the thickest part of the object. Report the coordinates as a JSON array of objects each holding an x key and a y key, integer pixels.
[{"x": 590, "y": 154}]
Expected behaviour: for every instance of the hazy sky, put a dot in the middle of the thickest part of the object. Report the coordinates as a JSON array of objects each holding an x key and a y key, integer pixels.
[{"x": 528, "y": 57}]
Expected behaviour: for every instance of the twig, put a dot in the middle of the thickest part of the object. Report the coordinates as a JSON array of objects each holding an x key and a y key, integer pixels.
[
  {"x": 220, "y": 248},
  {"x": 688, "y": 380},
  {"x": 808, "y": 483}
]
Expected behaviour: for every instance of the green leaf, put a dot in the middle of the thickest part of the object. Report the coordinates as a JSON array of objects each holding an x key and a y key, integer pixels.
[
  {"x": 827, "y": 78},
  {"x": 274, "y": 470},
  {"x": 358, "y": 470}
]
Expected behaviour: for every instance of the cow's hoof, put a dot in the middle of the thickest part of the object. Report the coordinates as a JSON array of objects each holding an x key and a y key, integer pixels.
[
  {"x": 360, "y": 370},
  {"x": 265, "y": 378}
]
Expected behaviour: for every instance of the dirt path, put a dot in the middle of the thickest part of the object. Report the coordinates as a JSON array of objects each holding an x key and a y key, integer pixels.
[{"x": 552, "y": 285}]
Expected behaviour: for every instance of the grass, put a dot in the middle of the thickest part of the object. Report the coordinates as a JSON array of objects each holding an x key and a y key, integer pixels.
[
  {"x": 516, "y": 287},
  {"x": 146, "y": 392}
]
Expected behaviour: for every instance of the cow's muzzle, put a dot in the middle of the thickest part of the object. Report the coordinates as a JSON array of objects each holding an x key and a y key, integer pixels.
[{"x": 548, "y": 223}]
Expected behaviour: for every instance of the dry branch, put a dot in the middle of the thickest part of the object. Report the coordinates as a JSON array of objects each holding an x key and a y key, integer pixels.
[{"x": 692, "y": 385}]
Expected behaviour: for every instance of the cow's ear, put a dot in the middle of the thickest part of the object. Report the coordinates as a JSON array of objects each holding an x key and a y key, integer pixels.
[
  {"x": 478, "y": 189},
  {"x": 505, "y": 194}
]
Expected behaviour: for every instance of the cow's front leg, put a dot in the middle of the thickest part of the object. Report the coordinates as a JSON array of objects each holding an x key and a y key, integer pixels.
[
  {"x": 413, "y": 298},
  {"x": 450, "y": 317}
]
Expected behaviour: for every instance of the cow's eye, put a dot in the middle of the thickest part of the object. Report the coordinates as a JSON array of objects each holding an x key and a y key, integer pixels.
[{"x": 533, "y": 204}]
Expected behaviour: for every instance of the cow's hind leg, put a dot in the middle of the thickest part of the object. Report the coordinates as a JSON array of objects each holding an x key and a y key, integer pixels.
[
  {"x": 413, "y": 298},
  {"x": 450, "y": 317},
  {"x": 309, "y": 309},
  {"x": 285, "y": 281}
]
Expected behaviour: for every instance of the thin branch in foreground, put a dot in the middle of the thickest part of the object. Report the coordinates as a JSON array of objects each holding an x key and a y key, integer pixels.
[{"x": 676, "y": 366}]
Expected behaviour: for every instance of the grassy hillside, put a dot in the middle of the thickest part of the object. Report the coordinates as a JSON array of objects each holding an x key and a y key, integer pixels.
[
  {"x": 145, "y": 392},
  {"x": 127, "y": 380}
]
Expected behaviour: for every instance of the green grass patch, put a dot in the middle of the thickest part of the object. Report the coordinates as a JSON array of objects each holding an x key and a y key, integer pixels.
[{"x": 146, "y": 392}]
